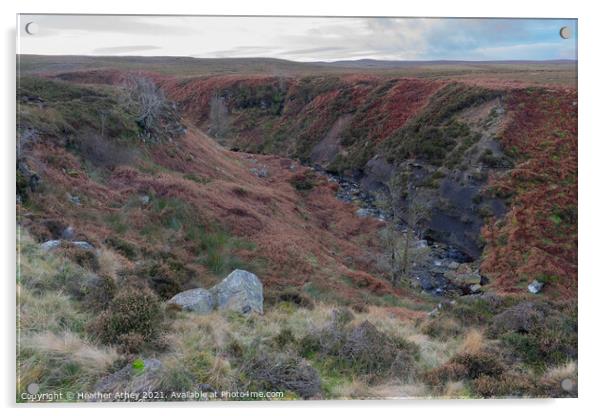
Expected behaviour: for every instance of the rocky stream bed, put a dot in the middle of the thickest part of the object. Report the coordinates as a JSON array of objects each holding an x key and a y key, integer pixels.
[{"x": 444, "y": 270}]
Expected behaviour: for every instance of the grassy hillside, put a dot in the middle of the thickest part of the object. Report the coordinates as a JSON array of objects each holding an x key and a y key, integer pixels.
[{"x": 175, "y": 182}]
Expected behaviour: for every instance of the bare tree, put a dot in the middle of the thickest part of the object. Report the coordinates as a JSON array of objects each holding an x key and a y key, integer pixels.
[
  {"x": 403, "y": 249},
  {"x": 147, "y": 99},
  {"x": 219, "y": 125}
]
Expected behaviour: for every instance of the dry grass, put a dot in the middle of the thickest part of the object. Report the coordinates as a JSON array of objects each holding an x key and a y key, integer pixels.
[
  {"x": 473, "y": 342},
  {"x": 72, "y": 346}
]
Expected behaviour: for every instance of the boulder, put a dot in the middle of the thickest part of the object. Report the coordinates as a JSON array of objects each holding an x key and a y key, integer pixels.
[
  {"x": 535, "y": 287},
  {"x": 50, "y": 245},
  {"x": 362, "y": 212},
  {"x": 475, "y": 288},
  {"x": 463, "y": 279},
  {"x": 241, "y": 291},
  {"x": 142, "y": 375},
  {"x": 453, "y": 265},
  {"x": 68, "y": 233},
  {"x": 199, "y": 300},
  {"x": 84, "y": 245}
]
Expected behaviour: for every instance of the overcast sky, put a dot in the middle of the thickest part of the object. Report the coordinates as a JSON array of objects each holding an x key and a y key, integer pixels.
[{"x": 299, "y": 38}]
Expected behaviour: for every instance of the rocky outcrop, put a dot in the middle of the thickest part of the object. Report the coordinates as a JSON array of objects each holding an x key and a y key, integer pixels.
[
  {"x": 241, "y": 292},
  {"x": 198, "y": 300}
]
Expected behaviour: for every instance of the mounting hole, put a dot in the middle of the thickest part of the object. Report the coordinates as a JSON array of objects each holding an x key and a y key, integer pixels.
[
  {"x": 31, "y": 28},
  {"x": 565, "y": 32}
]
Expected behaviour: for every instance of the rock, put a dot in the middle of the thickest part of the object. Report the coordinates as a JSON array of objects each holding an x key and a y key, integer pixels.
[
  {"x": 475, "y": 288},
  {"x": 453, "y": 265},
  {"x": 73, "y": 199},
  {"x": 535, "y": 287},
  {"x": 143, "y": 375},
  {"x": 84, "y": 245},
  {"x": 463, "y": 279},
  {"x": 144, "y": 199},
  {"x": 261, "y": 172},
  {"x": 50, "y": 245},
  {"x": 241, "y": 291},
  {"x": 362, "y": 213},
  {"x": 68, "y": 233},
  {"x": 422, "y": 244},
  {"x": 199, "y": 300}
]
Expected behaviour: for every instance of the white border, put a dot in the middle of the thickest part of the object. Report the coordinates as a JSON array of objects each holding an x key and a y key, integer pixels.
[{"x": 590, "y": 139}]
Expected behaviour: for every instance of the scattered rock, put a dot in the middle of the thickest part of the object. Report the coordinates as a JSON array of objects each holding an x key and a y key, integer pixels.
[
  {"x": 241, "y": 291},
  {"x": 362, "y": 213},
  {"x": 142, "y": 375},
  {"x": 75, "y": 200},
  {"x": 50, "y": 245},
  {"x": 199, "y": 300},
  {"x": 422, "y": 244},
  {"x": 453, "y": 265},
  {"x": 475, "y": 288},
  {"x": 68, "y": 233},
  {"x": 535, "y": 287},
  {"x": 261, "y": 172}
]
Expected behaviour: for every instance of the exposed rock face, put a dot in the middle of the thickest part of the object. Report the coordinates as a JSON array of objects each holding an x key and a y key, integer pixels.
[
  {"x": 198, "y": 300},
  {"x": 241, "y": 291}
]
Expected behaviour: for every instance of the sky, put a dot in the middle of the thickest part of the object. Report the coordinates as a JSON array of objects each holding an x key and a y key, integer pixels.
[{"x": 299, "y": 38}]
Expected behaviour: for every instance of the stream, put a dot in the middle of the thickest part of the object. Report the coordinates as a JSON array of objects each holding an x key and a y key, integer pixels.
[{"x": 439, "y": 260}]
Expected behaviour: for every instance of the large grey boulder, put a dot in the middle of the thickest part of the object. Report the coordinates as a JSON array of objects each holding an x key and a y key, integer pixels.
[
  {"x": 241, "y": 291},
  {"x": 199, "y": 300}
]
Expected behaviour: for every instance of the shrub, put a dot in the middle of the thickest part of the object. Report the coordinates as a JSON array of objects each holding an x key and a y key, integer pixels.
[
  {"x": 479, "y": 363},
  {"x": 293, "y": 295},
  {"x": 464, "y": 366},
  {"x": 133, "y": 313},
  {"x": 102, "y": 152},
  {"x": 506, "y": 385},
  {"x": 284, "y": 337},
  {"x": 284, "y": 371},
  {"x": 98, "y": 292},
  {"x": 442, "y": 328},
  {"x": 84, "y": 258},
  {"x": 165, "y": 277},
  {"x": 540, "y": 333},
  {"x": 304, "y": 181},
  {"x": 123, "y": 247},
  {"x": 360, "y": 349}
]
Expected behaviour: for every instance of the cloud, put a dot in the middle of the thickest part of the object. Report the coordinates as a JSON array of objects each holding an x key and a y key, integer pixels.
[
  {"x": 302, "y": 38},
  {"x": 125, "y": 49},
  {"x": 52, "y": 25}
]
